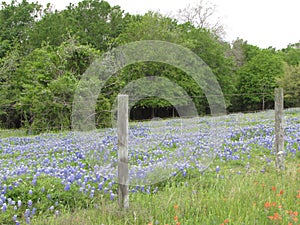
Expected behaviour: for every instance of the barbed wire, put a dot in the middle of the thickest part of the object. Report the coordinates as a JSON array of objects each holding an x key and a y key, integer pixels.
[
  {"x": 65, "y": 126},
  {"x": 29, "y": 130},
  {"x": 131, "y": 98}
]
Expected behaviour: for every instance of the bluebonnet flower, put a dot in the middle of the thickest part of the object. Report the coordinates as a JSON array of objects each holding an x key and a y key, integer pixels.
[
  {"x": 100, "y": 186},
  {"x": 33, "y": 182},
  {"x": 92, "y": 193},
  {"x": 105, "y": 190},
  {"x": 14, "y": 218},
  {"x": 33, "y": 211},
  {"x": 112, "y": 195},
  {"x": 27, "y": 213},
  {"x": 4, "y": 207},
  {"x": 67, "y": 186},
  {"x": 4, "y": 189},
  {"x": 148, "y": 190},
  {"x": 29, "y": 203}
]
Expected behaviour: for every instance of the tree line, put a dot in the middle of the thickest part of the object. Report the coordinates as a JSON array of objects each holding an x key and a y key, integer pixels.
[{"x": 44, "y": 52}]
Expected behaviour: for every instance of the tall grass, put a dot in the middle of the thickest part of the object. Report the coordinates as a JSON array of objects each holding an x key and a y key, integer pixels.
[{"x": 230, "y": 196}]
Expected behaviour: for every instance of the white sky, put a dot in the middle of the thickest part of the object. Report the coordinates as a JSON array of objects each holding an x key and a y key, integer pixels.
[{"x": 261, "y": 22}]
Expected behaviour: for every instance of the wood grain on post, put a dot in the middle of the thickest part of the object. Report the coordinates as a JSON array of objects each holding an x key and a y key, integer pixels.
[
  {"x": 122, "y": 130},
  {"x": 279, "y": 132}
]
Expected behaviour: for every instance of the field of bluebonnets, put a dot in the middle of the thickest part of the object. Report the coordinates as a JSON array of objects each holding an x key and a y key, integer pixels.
[{"x": 43, "y": 178}]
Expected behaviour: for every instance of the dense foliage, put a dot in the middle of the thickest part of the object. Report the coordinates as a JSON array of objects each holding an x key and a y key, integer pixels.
[{"x": 44, "y": 52}]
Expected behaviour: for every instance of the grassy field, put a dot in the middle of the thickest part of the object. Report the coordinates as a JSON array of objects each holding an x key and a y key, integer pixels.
[
  {"x": 225, "y": 198},
  {"x": 47, "y": 179}
]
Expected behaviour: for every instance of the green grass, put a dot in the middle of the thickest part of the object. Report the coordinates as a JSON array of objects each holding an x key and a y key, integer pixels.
[
  {"x": 207, "y": 198},
  {"x": 5, "y": 133}
]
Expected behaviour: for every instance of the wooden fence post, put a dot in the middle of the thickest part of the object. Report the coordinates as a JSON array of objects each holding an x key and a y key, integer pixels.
[
  {"x": 122, "y": 130},
  {"x": 279, "y": 132}
]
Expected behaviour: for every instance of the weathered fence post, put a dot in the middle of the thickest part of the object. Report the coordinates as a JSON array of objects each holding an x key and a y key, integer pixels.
[
  {"x": 279, "y": 136},
  {"x": 122, "y": 130}
]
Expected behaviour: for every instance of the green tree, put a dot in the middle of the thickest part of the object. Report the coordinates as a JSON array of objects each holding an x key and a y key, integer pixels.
[
  {"x": 53, "y": 28},
  {"x": 243, "y": 52},
  {"x": 44, "y": 83},
  {"x": 153, "y": 26},
  {"x": 291, "y": 55},
  {"x": 9, "y": 90},
  {"x": 258, "y": 80},
  {"x": 16, "y": 19},
  {"x": 94, "y": 22},
  {"x": 290, "y": 83},
  {"x": 214, "y": 53}
]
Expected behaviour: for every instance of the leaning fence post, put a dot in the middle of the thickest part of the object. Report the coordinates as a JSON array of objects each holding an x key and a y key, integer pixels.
[
  {"x": 279, "y": 132},
  {"x": 122, "y": 130}
]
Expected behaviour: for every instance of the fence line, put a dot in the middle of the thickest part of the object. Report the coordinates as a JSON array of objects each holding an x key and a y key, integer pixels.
[
  {"x": 175, "y": 97},
  {"x": 103, "y": 124},
  {"x": 148, "y": 98}
]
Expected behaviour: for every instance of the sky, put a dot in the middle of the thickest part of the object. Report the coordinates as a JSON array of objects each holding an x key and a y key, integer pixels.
[{"x": 263, "y": 23}]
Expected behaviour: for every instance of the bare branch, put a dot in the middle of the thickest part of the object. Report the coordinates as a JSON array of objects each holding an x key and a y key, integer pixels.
[{"x": 202, "y": 15}]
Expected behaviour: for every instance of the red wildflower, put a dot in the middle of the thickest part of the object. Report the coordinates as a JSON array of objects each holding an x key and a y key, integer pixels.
[
  {"x": 176, "y": 218},
  {"x": 275, "y": 217}
]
